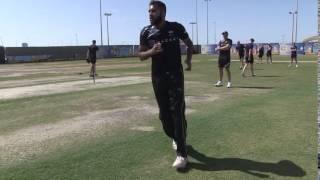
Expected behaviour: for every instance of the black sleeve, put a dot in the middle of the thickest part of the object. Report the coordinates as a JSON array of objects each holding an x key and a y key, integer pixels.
[
  {"x": 181, "y": 31},
  {"x": 143, "y": 37}
]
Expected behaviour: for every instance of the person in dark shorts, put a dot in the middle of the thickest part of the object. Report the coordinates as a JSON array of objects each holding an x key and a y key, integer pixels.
[
  {"x": 240, "y": 49},
  {"x": 269, "y": 54},
  {"x": 294, "y": 50},
  {"x": 261, "y": 53},
  {"x": 249, "y": 58},
  {"x": 92, "y": 57},
  {"x": 161, "y": 42},
  {"x": 224, "y": 61}
]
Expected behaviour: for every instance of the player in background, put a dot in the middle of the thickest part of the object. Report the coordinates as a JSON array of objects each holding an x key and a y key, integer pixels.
[
  {"x": 249, "y": 58},
  {"x": 294, "y": 50},
  {"x": 224, "y": 61},
  {"x": 240, "y": 50}
]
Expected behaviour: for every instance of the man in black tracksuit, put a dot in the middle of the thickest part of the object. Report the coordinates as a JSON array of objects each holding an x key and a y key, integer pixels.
[{"x": 161, "y": 41}]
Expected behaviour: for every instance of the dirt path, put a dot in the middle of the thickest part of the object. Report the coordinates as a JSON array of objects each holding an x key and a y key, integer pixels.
[{"x": 47, "y": 89}]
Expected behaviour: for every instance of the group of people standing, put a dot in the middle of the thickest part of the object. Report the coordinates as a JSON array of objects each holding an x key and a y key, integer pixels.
[{"x": 246, "y": 54}]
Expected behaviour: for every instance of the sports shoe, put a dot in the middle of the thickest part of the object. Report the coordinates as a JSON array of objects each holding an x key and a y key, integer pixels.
[
  {"x": 229, "y": 85},
  {"x": 174, "y": 145},
  {"x": 180, "y": 162},
  {"x": 219, "y": 84}
]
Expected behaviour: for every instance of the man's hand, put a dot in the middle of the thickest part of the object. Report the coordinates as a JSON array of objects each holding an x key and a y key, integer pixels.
[
  {"x": 156, "y": 49},
  {"x": 145, "y": 53}
]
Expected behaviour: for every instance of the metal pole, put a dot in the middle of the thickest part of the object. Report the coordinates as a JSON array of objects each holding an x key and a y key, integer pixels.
[
  {"x": 297, "y": 12},
  {"x": 107, "y": 16},
  {"x": 197, "y": 26},
  {"x": 101, "y": 28},
  {"x": 292, "y": 40},
  {"x": 108, "y": 31},
  {"x": 292, "y": 27},
  {"x": 215, "y": 32},
  {"x": 207, "y": 22},
  {"x": 192, "y": 26}
]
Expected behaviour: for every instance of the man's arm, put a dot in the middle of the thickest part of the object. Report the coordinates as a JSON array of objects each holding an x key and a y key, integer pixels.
[
  {"x": 190, "y": 49},
  {"x": 145, "y": 53}
]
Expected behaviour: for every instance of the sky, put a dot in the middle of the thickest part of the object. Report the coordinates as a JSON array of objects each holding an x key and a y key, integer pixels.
[{"x": 77, "y": 22}]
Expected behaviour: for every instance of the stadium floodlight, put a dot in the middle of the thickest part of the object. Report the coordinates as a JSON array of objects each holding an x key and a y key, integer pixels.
[
  {"x": 293, "y": 13},
  {"x": 215, "y": 32},
  {"x": 192, "y": 24},
  {"x": 297, "y": 13},
  {"x": 197, "y": 25},
  {"x": 101, "y": 28},
  {"x": 207, "y": 21},
  {"x": 107, "y": 16}
]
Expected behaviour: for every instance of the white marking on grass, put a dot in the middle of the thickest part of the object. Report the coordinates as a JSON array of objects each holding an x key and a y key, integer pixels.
[{"x": 47, "y": 89}]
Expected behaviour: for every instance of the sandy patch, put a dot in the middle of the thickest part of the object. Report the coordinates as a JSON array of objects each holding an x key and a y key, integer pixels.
[
  {"x": 26, "y": 143},
  {"x": 47, "y": 89},
  {"x": 143, "y": 128}
]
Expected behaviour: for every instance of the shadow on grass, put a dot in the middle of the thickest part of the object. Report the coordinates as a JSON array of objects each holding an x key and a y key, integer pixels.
[
  {"x": 258, "y": 169},
  {"x": 252, "y": 87}
]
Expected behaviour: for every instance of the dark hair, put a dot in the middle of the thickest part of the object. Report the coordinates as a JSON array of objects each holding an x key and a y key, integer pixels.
[
  {"x": 94, "y": 41},
  {"x": 160, "y": 4}
]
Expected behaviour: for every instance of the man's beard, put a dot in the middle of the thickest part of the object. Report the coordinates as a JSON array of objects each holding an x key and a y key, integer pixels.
[{"x": 156, "y": 21}]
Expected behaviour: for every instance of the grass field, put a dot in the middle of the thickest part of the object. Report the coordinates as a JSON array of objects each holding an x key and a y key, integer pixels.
[{"x": 55, "y": 124}]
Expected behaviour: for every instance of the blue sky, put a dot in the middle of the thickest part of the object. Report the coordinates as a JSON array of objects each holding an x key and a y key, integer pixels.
[{"x": 72, "y": 22}]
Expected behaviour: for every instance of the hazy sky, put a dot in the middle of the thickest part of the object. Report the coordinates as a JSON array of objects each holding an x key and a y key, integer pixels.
[{"x": 76, "y": 22}]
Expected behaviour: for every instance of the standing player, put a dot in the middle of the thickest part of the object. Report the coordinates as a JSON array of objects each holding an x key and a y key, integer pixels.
[
  {"x": 249, "y": 58},
  {"x": 240, "y": 49},
  {"x": 261, "y": 53},
  {"x": 294, "y": 55},
  {"x": 92, "y": 57},
  {"x": 269, "y": 54},
  {"x": 224, "y": 62},
  {"x": 161, "y": 42}
]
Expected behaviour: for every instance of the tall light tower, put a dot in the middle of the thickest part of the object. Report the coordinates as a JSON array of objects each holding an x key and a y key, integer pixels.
[
  {"x": 101, "y": 29},
  {"x": 108, "y": 15},
  {"x": 207, "y": 21},
  {"x": 293, "y": 21},
  {"x": 215, "y": 32},
  {"x": 319, "y": 17},
  {"x": 197, "y": 25},
  {"x": 297, "y": 15},
  {"x": 192, "y": 24}
]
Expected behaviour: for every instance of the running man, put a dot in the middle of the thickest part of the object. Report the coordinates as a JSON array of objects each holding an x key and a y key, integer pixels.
[
  {"x": 261, "y": 53},
  {"x": 269, "y": 54},
  {"x": 224, "y": 61},
  {"x": 161, "y": 42},
  {"x": 294, "y": 55},
  {"x": 240, "y": 49},
  {"x": 249, "y": 58},
  {"x": 92, "y": 57}
]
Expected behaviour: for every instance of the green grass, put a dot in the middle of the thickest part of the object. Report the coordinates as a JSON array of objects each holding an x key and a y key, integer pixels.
[{"x": 265, "y": 127}]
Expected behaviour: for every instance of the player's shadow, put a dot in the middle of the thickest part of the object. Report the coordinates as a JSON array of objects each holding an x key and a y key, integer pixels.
[
  {"x": 258, "y": 169},
  {"x": 251, "y": 87}
]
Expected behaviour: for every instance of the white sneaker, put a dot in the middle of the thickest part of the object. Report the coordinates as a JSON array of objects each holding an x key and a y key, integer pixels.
[
  {"x": 297, "y": 66},
  {"x": 180, "y": 163},
  {"x": 219, "y": 84},
  {"x": 229, "y": 85},
  {"x": 174, "y": 145}
]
